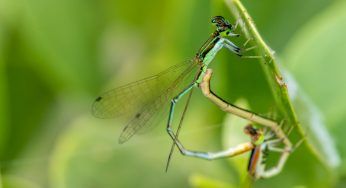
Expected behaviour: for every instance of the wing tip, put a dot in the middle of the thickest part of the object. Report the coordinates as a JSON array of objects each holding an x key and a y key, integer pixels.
[
  {"x": 121, "y": 140},
  {"x": 125, "y": 136},
  {"x": 98, "y": 99},
  {"x": 94, "y": 108}
]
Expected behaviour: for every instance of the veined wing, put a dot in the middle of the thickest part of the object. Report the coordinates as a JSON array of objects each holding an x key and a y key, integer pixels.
[
  {"x": 141, "y": 100},
  {"x": 127, "y": 98}
]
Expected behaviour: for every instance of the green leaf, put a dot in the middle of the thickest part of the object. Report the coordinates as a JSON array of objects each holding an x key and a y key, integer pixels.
[{"x": 316, "y": 57}]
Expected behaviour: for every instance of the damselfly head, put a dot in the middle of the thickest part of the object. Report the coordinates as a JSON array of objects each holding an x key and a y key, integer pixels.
[
  {"x": 255, "y": 134},
  {"x": 250, "y": 130},
  {"x": 222, "y": 25}
]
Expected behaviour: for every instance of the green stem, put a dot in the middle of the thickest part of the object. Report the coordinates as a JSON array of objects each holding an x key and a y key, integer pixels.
[{"x": 272, "y": 71}]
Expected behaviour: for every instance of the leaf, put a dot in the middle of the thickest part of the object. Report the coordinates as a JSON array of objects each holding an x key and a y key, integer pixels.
[{"x": 315, "y": 56}]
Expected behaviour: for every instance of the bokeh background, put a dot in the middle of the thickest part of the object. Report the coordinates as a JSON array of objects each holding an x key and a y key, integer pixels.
[{"x": 56, "y": 57}]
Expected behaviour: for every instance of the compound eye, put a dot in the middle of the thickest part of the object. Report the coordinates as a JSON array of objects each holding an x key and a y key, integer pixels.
[{"x": 217, "y": 19}]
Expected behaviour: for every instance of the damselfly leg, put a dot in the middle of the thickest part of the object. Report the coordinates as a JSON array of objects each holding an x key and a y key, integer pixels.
[
  {"x": 230, "y": 152},
  {"x": 257, "y": 163},
  {"x": 179, "y": 128}
]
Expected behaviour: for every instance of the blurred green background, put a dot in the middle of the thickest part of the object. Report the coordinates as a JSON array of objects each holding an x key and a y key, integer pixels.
[{"x": 56, "y": 57}]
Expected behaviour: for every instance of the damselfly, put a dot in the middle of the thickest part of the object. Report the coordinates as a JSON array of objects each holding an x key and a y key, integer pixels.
[
  {"x": 142, "y": 100},
  {"x": 137, "y": 101}
]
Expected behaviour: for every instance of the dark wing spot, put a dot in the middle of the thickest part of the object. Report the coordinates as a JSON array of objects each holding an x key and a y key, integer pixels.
[
  {"x": 138, "y": 115},
  {"x": 98, "y": 99}
]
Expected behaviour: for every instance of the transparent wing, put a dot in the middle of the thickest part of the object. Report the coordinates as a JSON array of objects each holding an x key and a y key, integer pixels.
[
  {"x": 142, "y": 100},
  {"x": 126, "y": 99}
]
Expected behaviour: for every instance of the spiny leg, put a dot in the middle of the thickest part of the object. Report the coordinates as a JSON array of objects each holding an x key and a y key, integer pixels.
[
  {"x": 290, "y": 130},
  {"x": 285, "y": 152},
  {"x": 235, "y": 49},
  {"x": 274, "y": 141},
  {"x": 271, "y": 133},
  {"x": 247, "y": 42},
  {"x": 299, "y": 143},
  {"x": 249, "y": 49},
  {"x": 236, "y": 24},
  {"x": 276, "y": 149},
  {"x": 178, "y": 129},
  {"x": 234, "y": 27},
  {"x": 252, "y": 57},
  {"x": 276, "y": 169},
  {"x": 231, "y": 46}
]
